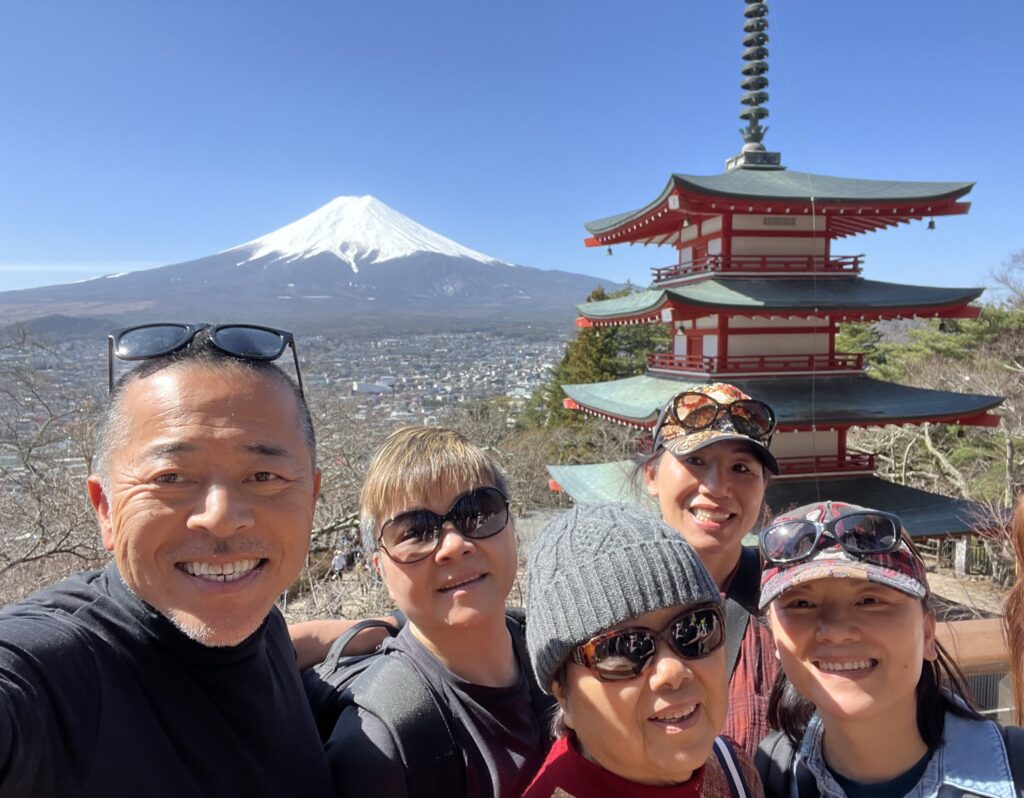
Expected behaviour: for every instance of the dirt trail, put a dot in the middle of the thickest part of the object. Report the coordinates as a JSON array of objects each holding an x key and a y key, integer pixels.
[{"x": 977, "y": 596}]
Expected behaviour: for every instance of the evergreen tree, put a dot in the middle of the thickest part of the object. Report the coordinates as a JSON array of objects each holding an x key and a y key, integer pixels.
[{"x": 596, "y": 354}]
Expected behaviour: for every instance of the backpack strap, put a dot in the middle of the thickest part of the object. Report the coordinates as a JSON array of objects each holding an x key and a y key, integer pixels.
[
  {"x": 337, "y": 650},
  {"x": 776, "y": 764},
  {"x": 736, "y": 620},
  {"x": 397, "y": 694},
  {"x": 1013, "y": 739},
  {"x": 773, "y": 760},
  {"x": 727, "y": 759},
  {"x": 741, "y": 603},
  {"x": 323, "y": 682},
  {"x": 806, "y": 784}
]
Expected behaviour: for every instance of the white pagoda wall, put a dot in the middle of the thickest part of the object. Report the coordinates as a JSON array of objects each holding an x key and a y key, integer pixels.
[
  {"x": 821, "y": 443},
  {"x": 778, "y": 245},
  {"x": 778, "y": 344}
]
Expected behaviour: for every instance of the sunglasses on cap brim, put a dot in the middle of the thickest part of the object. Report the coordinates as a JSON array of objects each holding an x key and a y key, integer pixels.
[
  {"x": 861, "y": 533},
  {"x": 694, "y": 411}
]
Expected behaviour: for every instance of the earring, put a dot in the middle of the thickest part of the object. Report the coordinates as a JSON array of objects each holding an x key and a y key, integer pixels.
[
  {"x": 651, "y": 489},
  {"x": 778, "y": 656}
]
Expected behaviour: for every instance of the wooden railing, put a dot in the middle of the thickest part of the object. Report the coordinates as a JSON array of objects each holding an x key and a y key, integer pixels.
[
  {"x": 755, "y": 363},
  {"x": 796, "y": 264},
  {"x": 851, "y": 461}
]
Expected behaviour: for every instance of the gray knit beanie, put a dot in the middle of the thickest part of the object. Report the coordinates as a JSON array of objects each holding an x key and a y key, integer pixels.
[{"x": 597, "y": 566}]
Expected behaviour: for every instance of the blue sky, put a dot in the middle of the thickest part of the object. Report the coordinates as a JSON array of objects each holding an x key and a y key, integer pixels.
[{"x": 136, "y": 134}]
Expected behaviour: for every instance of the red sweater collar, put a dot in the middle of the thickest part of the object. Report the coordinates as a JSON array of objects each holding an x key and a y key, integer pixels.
[{"x": 565, "y": 767}]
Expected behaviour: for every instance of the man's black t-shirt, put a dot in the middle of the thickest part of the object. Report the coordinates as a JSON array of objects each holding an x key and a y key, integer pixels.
[{"x": 101, "y": 695}]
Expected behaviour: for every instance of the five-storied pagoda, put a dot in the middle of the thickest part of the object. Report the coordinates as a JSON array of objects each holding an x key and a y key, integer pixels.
[{"x": 756, "y": 297}]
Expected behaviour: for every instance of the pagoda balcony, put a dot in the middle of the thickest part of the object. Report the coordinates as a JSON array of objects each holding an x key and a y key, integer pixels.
[
  {"x": 827, "y": 465},
  {"x": 754, "y": 364},
  {"x": 843, "y": 265}
]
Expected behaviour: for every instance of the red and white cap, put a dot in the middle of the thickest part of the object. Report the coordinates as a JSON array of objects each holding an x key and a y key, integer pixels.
[{"x": 901, "y": 569}]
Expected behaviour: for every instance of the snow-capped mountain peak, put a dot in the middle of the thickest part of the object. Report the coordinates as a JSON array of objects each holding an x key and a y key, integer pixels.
[{"x": 358, "y": 230}]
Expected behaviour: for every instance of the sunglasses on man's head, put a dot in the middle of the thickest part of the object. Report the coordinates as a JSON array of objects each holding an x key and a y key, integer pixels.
[
  {"x": 860, "y": 534},
  {"x": 416, "y": 534},
  {"x": 244, "y": 341},
  {"x": 628, "y": 653},
  {"x": 695, "y": 411}
]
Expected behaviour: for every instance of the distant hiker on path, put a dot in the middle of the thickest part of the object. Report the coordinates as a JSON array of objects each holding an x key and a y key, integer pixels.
[
  {"x": 170, "y": 673},
  {"x": 338, "y": 564}
]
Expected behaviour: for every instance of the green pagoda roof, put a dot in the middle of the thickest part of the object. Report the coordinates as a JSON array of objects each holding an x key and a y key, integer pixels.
[
  {"x": 797, "y": 401},
  {"x": 783, "y": 184},
  {"x": 601, "y": 482},
  {"x": 745, "y": 294},
  {"x": 924, "y": 514}
]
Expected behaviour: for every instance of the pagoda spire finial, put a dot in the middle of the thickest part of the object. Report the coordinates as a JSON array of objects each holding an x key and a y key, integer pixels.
[{"x": 754, "y": 83}]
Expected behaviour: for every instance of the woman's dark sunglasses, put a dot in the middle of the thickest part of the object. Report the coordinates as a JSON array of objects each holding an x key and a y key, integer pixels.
[
  {"x": 628, "y": 653},
  {"x": 859, "y": 533},
  {"x": 245, "y": 341},
  {"x": 416, "y": 534},
  {"x": 695, "y": 411}
]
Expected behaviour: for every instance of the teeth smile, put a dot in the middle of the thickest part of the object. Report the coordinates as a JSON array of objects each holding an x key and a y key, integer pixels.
[
  {"x": 853, "y": 665},
  {"x": 467, "y": 580},
  {"x": 677, "y": 717},
  {"x": 709, "y": 515},
  {"x": 220, "y": 572}
]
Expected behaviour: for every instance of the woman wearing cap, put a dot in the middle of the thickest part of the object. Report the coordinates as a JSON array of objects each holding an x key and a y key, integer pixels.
[
  {"x": 625, "y": 628},
  {"x": 868, "y": 697},
  {"x": 708, "y": 472}
]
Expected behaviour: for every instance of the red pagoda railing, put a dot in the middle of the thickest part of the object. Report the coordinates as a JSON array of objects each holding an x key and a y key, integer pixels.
[
  {"x": 751, "y": 363},
  {"x": 851, "y": 461},
  {"x": 796, "y": 264}
]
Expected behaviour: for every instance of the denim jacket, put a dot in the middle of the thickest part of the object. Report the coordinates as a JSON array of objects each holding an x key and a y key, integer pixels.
[{"x": 971, "y": 760}]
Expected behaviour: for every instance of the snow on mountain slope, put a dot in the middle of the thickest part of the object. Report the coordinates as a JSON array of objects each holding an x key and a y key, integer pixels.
[{"x": 358, "y": 230}]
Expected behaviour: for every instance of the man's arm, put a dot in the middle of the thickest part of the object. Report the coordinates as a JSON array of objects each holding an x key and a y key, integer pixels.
[
  {"x": 313, "y": 639},
  {"x": 49, "y": 724}
]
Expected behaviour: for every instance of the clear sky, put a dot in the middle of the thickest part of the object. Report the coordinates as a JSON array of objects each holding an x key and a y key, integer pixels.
[{"x": 135, "y": 134}]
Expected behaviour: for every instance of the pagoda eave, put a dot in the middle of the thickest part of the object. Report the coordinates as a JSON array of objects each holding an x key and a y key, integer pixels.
[
  {"x": 924, "y": 514},
  {"x": 800, "y": 403},
  {"x": 849, "y": 206},
  {"x": 984, "y": 419},
  {"x": 848, "y": 299},
  {"x": 646, "y": 318},
  {"x": 688, "y": 312}
]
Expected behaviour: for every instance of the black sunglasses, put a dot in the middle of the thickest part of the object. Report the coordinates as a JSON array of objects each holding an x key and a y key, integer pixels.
[
  {"x": 416, "y": 534},
  {"x": 245, "y": 341},
  {"x": 695, "y": 411},
  {"x": 859, "y": 533},
  {"x": 628, "y": 653}
]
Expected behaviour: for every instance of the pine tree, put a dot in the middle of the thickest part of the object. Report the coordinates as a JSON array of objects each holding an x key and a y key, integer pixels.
[{"x": 596, "y": 354}]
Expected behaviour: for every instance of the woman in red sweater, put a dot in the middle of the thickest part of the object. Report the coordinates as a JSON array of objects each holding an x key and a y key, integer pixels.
[{"x": 625, "y": 628}]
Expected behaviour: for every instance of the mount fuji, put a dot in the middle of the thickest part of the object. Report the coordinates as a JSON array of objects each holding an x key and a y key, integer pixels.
[{"x": 354, "y": 261}]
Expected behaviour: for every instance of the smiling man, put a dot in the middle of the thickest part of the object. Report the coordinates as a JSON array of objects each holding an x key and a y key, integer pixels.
[{"x": 170, "y": 672}]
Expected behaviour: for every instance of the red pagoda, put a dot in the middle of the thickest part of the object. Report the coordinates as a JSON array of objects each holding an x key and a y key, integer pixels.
[{"x": 755, "y": 296}]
